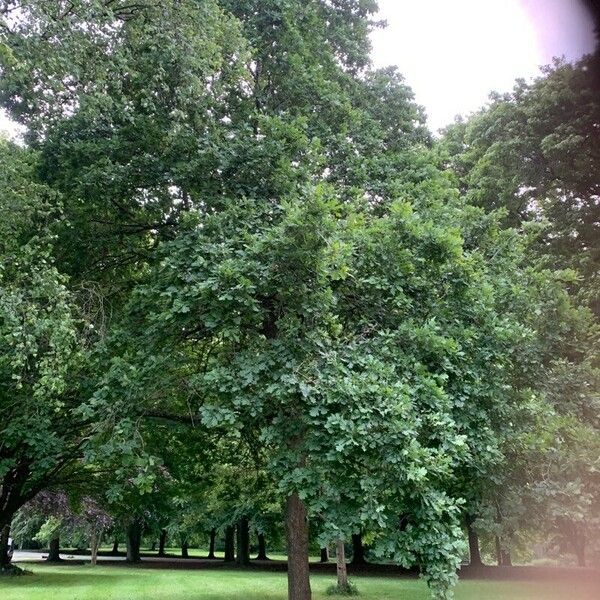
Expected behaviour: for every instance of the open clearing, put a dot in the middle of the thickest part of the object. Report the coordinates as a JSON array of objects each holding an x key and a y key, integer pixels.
[{"x": 128, "y": 583}]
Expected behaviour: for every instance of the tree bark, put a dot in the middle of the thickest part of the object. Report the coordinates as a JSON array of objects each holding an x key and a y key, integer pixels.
[
  {"x": 297, "y": 548},
  {"x": 474, "y": 553},
  {"x": 54, "y": 549},
  {"x": 162, "y": 542},
  {"x": 341, "y": 568},
  {"x": 95, "y": 541},
  {"x": 358, "y": 550},
  {"x": 134, "y": 539},
  {"x": 229, "y": 543},
  {"x": 184, "y": 549},
  {"x": 324, "y": 555},
  {"x": 4, "y": 535},
  {"x": 243, "y": 542},
  {"x": 211, "y": 545},
  {"x": 498, "y": 550},
  {"x": 262, "y": 548},
  {"x": 115, "y": 548}
]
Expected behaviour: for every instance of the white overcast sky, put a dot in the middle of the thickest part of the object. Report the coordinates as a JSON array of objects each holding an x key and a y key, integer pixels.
[{"x": 454, "y": 52}]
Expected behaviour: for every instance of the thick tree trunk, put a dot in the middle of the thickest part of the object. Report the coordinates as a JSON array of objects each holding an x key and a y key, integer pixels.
[
  {"x": 184, "y": 549},
  {"x": 134, "y": 539},
  {"x": 162, "y": 542},
  {"x": 342, "y": 569},
  {"x": 243, "y": 542},
  {"x": 474, "y": 553},
  {"x": 4, "y": 535},
  {"x": 358, "y": 550},
  {"x": 324, "y": 555},
  {"x": 211, "y": 545},
  {"x": 296, "y": 522},
  {"x": 262, "y": 548},
  {"x": 115, "y": 548},
  {"x": 54, "y": 549},
  {"x": 506, "y": 558},
  {"x": 229, "y": 543}
]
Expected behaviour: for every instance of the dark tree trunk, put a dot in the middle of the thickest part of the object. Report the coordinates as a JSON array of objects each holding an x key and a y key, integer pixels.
[
  {"x": 358, "y": 550},
  {"x": 153, "y": 547},
  {"x": 229, "y": 543},
  {"x": 134, "y": 539},
  {"x": 262, "y": 548},
  {"x": 54, "y": 549},
  {"x": 4, "y": 535},
  {"x": 243, "y": 542},
  {"x": 324, "y": 555},
  {"x": 184, "y": 549},
  {"x": 115, "y": 548},
  {"x": 162, "y": 542},
  {"x": 474, "y": 553},
  {"x": 211, "y": 545},
  {"x": 296, "y": 522}
]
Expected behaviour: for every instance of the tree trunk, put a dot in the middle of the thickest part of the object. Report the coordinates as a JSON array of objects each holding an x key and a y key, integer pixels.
[
  {"x": 134, "y": 539},
  {"x": 211, "y": 545},
  {"x": 474, "y": 553},
  {"x": 229, "y": 543},
  {"x": 243, "y": 542},
  {"x": 95, "y": 541},
  {"x": 54, "y": 549},
  {"x": 342, "y": 569},
  {"x": 324, "y": 555},
  {"x": 506, "y": 558},
  {"x": 296, "y": 522},
  {"x": 4, "y": 535},
  {"x": 262, "y": 548},
  {"x": 498, "y": 546},
  {"x": 153, "y": 547},
  {"x": 184, "y": 549},
  {"x": 358, "y": 550},
  {"x": 115, "y": 548},
  {"x": 162, "y": 542}
]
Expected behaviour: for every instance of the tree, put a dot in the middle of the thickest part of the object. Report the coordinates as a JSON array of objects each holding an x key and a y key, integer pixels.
[{"x": 42, "y": 345}]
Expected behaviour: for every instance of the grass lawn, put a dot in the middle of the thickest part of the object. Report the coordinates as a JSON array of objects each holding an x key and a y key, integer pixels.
[{"x": 128, "y": 583}]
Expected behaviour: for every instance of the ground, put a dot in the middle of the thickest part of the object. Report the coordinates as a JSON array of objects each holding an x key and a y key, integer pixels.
[{"x": 118, "y": 582}]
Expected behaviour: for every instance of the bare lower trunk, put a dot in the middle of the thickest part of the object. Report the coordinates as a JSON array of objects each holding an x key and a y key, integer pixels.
[
  {"x": 296, "y": 523},
  {"x": 95, "y": 541},
  {"x": 54, "y": 549},
  {"x": 4, "y": 535},
  {"x": 342, "y": 569},
  {"x": 324, "y": 555},
  {"x": 358, "y": 550},
  {"x": 134, "y": 539},
  {"x": 262, "y": 548},
  {"x": 243, "y": 542},
  {"x": 162, "y": 542},
  {"x": 115, "y": 548},
  {"x": 474, "y": 553},
  {"x": 229, "y": 544},
  {"x": 211, "y": 546},
  {"x": 184, "y": 549}
]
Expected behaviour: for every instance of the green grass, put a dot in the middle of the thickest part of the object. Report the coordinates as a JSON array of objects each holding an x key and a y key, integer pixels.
[{"x": 128, "y": 583}]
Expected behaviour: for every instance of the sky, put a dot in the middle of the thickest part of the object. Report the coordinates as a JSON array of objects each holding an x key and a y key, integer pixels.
[{"x": 453, "y": 53}]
